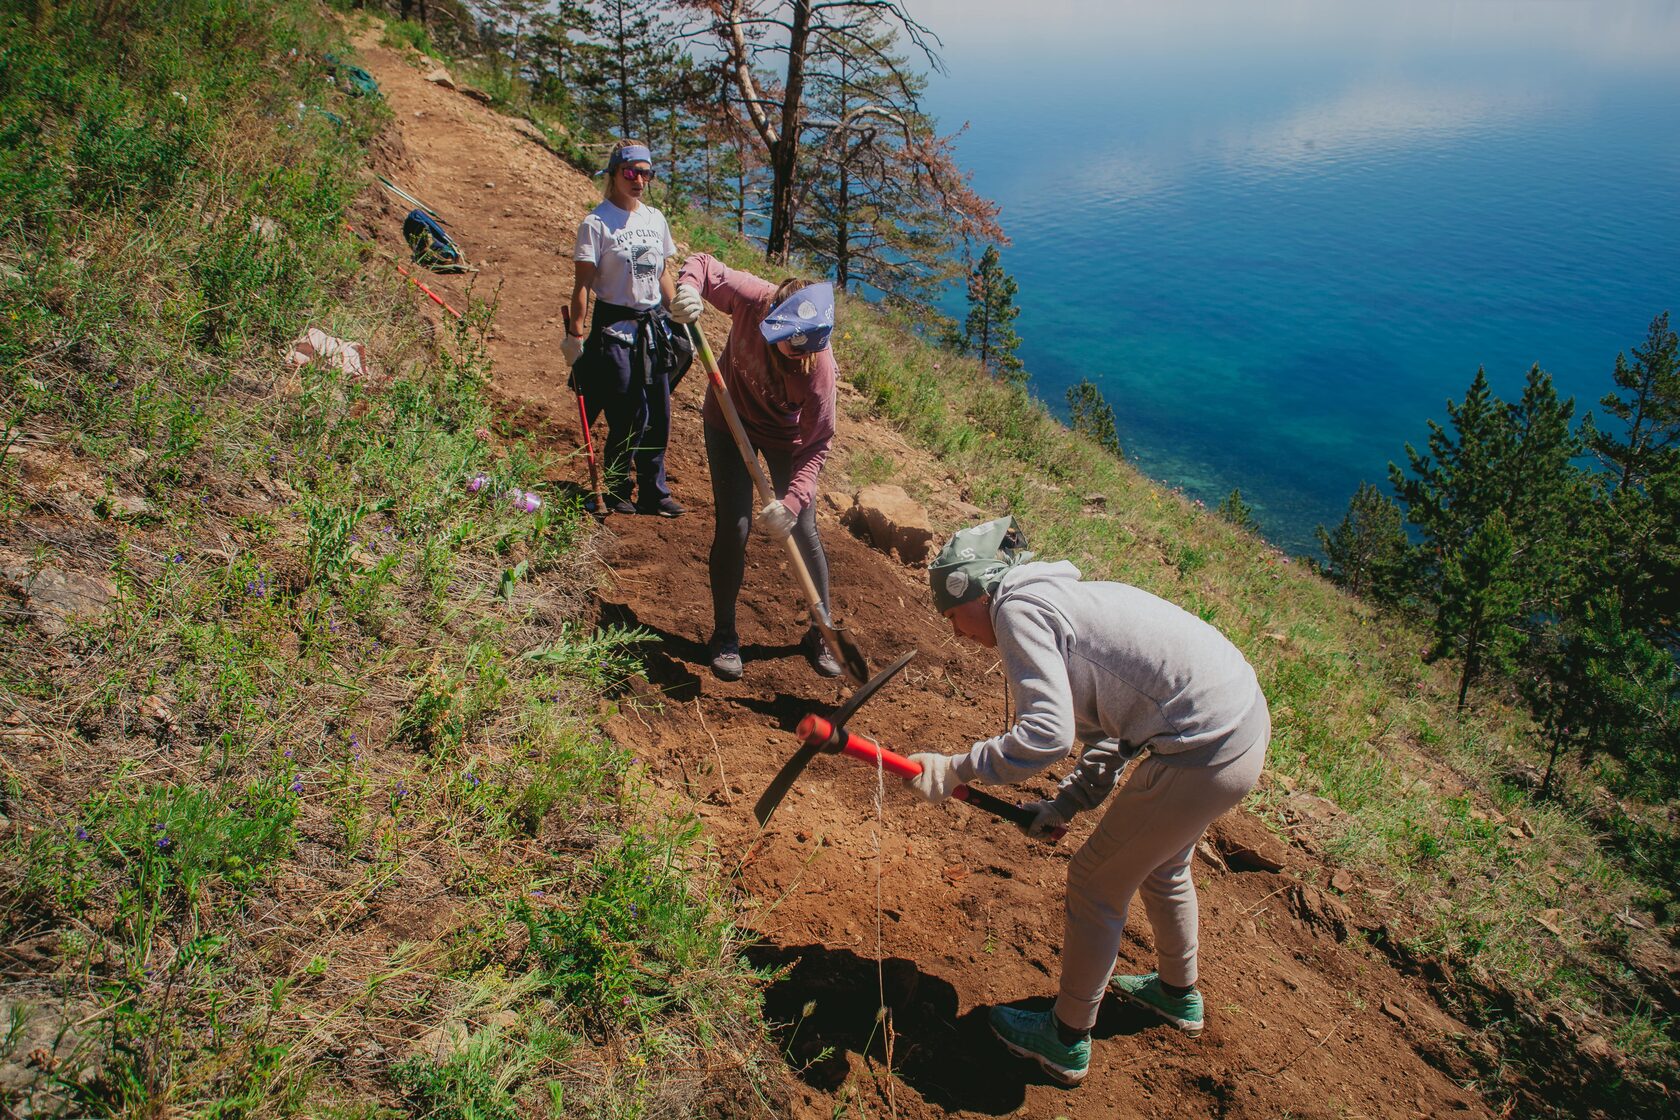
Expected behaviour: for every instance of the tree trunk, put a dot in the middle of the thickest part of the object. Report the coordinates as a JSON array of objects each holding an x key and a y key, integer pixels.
[
  {"x": 784, "y": 153},
  {"x": 623, "y": 80},
  {"x": 842, "y": 233},
  {"x": 1472, "y": 650}
]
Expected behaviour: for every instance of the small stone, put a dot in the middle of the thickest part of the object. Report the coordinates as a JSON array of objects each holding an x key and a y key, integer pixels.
[
  {"x": 1341, "y": 882},
  {"x": 1396, "y": 1012},
  {"x": 438, "y": 76}
]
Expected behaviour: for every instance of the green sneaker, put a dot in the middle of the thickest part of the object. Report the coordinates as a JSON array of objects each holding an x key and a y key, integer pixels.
[
  {"x": 1032, "y": 1034},
  {"x": 1183, "y": 1012}
]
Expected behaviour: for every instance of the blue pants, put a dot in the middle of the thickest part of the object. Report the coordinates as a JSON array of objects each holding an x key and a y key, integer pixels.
[{"x": 637, "y": 404}]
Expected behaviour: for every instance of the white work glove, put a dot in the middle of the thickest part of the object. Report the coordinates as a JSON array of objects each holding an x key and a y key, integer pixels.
[
  {"x": 938, "y": 777},
  {"x": 570, "y": 348},
  {"x": 778, "y": 519},
  {"x": 1046, "y": 820},
  {"x": 686, "y": 304}
]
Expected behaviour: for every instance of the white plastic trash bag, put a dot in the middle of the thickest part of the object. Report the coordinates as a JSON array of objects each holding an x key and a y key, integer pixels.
[{"x": 351, "y": 357}]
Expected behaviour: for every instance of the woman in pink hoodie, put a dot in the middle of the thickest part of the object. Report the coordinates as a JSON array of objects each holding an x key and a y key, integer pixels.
[{"x": 780, "y": 374}]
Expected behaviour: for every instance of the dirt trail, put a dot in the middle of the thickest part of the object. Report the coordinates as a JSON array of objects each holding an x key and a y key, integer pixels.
[{"x": 937, "y": 912}]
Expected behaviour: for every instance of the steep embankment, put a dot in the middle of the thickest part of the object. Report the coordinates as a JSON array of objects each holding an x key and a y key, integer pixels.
[{"x": 862, "y": 896}]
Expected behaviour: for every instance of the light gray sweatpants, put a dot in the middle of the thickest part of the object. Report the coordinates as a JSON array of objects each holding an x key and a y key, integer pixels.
[{"x": 1145, "y": 842}]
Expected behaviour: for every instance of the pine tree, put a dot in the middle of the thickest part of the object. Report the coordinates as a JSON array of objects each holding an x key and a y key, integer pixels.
[
  {"x": 1368, "y": 551},
  {"x": 1639, "y": 526},
  {"x": 1479, "y": 598},
  {"x": 1547, "y": 499},
  {"x": 1090, "y": 415},
  {"x": 988, "y": 329},
  {"x": 1496, "y": 589},
  {"x": 1611, "y": 691},
  {"x": 1451, "y": 491},
  {"x": 623, "y": 77},
  {"x": 1238, "y": 512}
]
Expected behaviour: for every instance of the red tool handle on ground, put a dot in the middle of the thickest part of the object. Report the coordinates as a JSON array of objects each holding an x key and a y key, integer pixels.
[
  {"x": 817, "y": 731},
  {"x": 583, "y": 422}
]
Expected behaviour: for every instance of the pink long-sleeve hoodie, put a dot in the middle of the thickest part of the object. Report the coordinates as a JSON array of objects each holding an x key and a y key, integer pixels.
[{"x": 780, "y": 412}]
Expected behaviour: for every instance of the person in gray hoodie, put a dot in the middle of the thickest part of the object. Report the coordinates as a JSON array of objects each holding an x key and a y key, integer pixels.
[{"x": 1121, "y": 673}]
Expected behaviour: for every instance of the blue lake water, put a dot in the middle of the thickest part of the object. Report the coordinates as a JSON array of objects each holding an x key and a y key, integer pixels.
[{"x": 1281, "y": 236}]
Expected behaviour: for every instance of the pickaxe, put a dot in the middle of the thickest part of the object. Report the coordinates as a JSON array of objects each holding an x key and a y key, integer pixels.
[{"x": 830, "y": 736}]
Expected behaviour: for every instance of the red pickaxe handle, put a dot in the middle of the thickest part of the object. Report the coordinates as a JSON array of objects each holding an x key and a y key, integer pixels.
[{"x": 817, "y": 731}]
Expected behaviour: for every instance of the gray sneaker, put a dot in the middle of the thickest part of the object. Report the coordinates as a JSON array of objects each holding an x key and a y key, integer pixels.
[
  {"x": 726, "y": 659},
  {"x": 1183, "y": 1012},
  {"x": 818, "y": 654}
]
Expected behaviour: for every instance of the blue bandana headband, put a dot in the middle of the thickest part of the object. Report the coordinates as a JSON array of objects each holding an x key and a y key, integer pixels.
[
  {"x": 622, "y": 156},
  {"x": 804, "y": 320}
]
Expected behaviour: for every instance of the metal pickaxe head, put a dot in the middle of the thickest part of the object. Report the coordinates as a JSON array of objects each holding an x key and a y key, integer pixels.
[
  {"x": 809, "y": 749},
  {"x": 819, "y": 735}
]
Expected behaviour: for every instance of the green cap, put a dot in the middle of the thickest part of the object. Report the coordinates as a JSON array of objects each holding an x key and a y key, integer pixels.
[{"x": 972, "y": 562}]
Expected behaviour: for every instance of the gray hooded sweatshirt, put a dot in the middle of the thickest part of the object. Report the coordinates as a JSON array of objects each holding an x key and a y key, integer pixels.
[{"x": 1117, "y": 670}]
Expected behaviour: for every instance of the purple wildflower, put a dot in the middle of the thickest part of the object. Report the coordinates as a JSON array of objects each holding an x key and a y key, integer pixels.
[
  {"x": 163, "y": 843},
  {"x": 81, "y": 833},
  {"x": 632, "y": 909},
  {"x": 297, "y": 785},
  {"x": 288, "y": 752},
  {"x": 472, "y": 780}
]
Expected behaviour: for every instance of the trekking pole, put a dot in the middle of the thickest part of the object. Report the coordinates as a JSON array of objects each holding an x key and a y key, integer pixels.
[
  {"x": 821, "y": 734},
  {"x": 406, "y": 197},
  {"x": 849, "y": 656},
  {"x": 583, "y": 422}
]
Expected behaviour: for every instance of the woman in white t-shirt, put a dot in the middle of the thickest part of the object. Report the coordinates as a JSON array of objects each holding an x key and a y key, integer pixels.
[{"x": 632, "y": 358}]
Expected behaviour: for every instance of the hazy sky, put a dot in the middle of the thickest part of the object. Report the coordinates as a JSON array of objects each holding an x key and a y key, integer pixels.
[{"x": 1630, "y": 31}]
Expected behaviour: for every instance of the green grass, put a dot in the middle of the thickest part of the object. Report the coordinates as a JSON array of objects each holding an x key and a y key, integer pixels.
[{"x": 325, "y": 774}]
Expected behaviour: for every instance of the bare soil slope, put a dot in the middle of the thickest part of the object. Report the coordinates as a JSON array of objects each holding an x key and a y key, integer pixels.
[{"x": 867, "y": 896}]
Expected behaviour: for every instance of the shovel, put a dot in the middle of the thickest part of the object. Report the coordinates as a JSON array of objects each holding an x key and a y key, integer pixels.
[{"x": 850, "y": 658}]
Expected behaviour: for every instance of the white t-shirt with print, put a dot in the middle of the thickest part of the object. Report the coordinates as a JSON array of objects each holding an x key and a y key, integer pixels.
[{"x": 628, "y": 249}]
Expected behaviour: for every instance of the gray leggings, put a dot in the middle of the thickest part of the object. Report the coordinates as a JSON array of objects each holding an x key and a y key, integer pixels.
[
  {"x": 732, "y": 495},
  {"x": 1144, "y": 845}
]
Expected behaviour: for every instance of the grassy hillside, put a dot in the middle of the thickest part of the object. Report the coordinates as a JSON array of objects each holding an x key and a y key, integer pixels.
[{"x": 301, "y": 749}]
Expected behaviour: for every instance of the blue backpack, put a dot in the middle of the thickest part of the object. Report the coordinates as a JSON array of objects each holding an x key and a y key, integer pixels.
[{"x": 430, "y": 244}]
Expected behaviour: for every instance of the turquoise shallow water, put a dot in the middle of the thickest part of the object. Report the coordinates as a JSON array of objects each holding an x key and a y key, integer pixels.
[{"x": 1279, "y": 247}]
